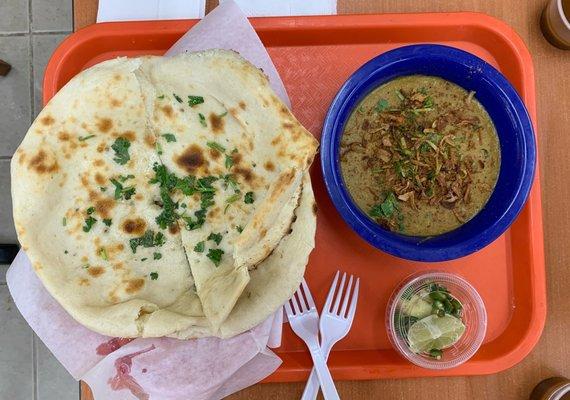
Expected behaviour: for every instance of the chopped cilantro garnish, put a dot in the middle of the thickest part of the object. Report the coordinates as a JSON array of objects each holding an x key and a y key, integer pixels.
[
  {"x": 108, "y": 221},
  {"x": 223, "y": 114},
  {"x": 83, "y": 138},
  {"x": 156, "y": 256},
  {"x": 229, "y": 161},
  {"x": 154, "y": 276},
  {"x": 381, "y": 105},
  {"x": 144, "y": 258},
  {"x": 199, "y": 248},
  {"x": 121, "y": 191},
  {"x": 386, "y": 208},
  {"x": 149, "y": 239},
  {"x": 90, "y": 210},
  {"x": 195, "y": 100},
  {"x": 169, "y": 137},
  {"x": 178, "y": 98},
  {"x": 160, "y": 97},
  {"x": 103, "y": 254},
  {"x": 230, "y": 180},
  {"x": 202, "y": 120},
  {"x": 64, "y": 221},
  {"x": 215, "y": 255},
  {"x": 121, "y": 148},
  {"x": 249, "y": 198},
  {"x": 158, "y": 148},
  {"x": 233, "y": 198},
  {"x": 216, "y": 237},
  {"x": 216, "y": 146},
  {"x": 89, "y": 222},
  {"x": 123, "y": 178},
  {"x": 187, "y": 185},
  {"x": 239, "y": 228},
  {"x": 102, "y": 188}
]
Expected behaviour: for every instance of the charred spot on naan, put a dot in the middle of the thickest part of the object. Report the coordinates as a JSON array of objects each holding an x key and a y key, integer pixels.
[
  {"x": 150, "y": 140},
  {"x": 104, "y": 205},
  {"x": 104, "y": 125},
  {"x": 242, "y": 105},
  {"x": 48, "y": 120},
  {"x": 100, "y": 179},
  {"x": 217, "y": 123},
  {"x": 95, "y": 272},
  {"x": 315, "y": 208},
  {"x": 64, "y": 136},
  {"x": 269, "y": 166},
  {"x": 192, "y": 159},
  {"x": 44, "y": 161},
  {"x": 168, "y": 111},
  {"x": 174, "y": 229},
  {"x": 134, "y": 285},
  {"x": 134, "y": 226},
  {"x": 129, "y": 135},
  {"x": 115, "y": 103},
  {"x": 98, "y": 162}
]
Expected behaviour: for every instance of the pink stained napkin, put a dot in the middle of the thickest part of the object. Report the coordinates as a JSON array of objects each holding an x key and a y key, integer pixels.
[{"x": 162, "y": 368}]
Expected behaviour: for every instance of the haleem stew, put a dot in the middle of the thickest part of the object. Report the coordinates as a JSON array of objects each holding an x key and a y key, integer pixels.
[{"x": 420, "y": 155}]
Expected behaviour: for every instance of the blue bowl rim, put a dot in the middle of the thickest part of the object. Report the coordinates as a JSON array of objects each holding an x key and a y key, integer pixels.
[{"x": 390, "y": 242}]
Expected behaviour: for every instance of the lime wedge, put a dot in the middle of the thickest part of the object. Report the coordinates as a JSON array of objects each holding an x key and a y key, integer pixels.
[
  {"x": 416, "y": 306},
  {"x": 435, "y": 332}
]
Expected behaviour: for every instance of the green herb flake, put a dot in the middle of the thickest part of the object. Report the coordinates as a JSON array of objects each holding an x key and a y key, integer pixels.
[
  {"x": 195, "y": 100},
  {"x": 144, "y": 259},
  {"x": 108, "y": 221},
  {"x": 229, "y": 161},
  {"x": 202, "y": 120},
  {"x": 216, "y": 237},
  {"x": 102, "y": 188},
  {"x": 386, "y": 208},
  {"x": 122, "y": 192},
  {"x": 156, "y": 256},
  {"x": 89, "y": 222},
  {"x": 233, "y": 198},
  {"x": 222, "y": 115},
  {"x": 239, "y": 228},
  {"x": 158, "y": 148},
  {"x": 169, "y": 137},
  {"x": 149, "y": 239},
  {"x": 161, "y": 97},
  {"x": 249, "y": 198},
  {"x": 216, "y": 146},
  {"x": 215, "y": 255},
  {"x": 90, "y": 210},
  {"x": 199, "y": 248},
  {"x": 121, "y": 148},
  {"x": 64, "y": 221},
  {"x": 103, "y": 254},
  {"x": 65, "y": 252},
  {"x": 84, "y": 138},
  {"x": 178, "y": 98},
  {"x": 154, "y": 276},
  {"x": 381, "y": 105}
]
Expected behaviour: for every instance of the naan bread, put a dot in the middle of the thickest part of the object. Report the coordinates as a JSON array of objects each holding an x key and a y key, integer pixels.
[
  {"x": 235, "y": 127},
  {"x": 219, "y": 169}
]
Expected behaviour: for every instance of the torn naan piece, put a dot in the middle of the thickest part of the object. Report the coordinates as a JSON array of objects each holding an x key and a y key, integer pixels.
[{"x": 245, "y": 154}]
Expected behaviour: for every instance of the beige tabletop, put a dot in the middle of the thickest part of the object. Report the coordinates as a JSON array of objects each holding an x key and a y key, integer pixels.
[{"x": 552, "y": 354}]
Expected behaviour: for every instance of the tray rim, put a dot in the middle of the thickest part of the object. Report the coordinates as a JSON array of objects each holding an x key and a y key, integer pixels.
[{"x": 294, "y": 366}]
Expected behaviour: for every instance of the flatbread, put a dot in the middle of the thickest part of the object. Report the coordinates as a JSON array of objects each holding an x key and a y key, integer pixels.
[
  {"x": 239, "y": 128},
  {"x": 128, "y": 273}
]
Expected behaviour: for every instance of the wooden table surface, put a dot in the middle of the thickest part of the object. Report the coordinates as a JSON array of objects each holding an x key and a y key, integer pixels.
[{"x": 552, "y": 354}]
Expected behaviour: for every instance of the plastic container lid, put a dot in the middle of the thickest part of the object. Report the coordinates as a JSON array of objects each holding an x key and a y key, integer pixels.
[{"x": 473, "y": 315}]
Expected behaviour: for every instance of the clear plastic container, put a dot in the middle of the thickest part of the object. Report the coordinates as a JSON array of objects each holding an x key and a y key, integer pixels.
[{"x": 473, "y": 315}]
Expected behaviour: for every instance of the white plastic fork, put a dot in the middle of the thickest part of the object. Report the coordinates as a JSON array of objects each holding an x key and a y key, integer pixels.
[
  {"x": 334, "y": 324},
  {"x": 304, "y": 321}
]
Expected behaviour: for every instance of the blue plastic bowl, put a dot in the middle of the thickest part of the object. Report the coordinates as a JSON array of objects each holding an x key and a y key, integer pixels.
[{"x": 516, "y": 136}]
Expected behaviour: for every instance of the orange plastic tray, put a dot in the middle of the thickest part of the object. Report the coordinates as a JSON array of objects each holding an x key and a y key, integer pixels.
[{"x": 314, "y": 56}]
